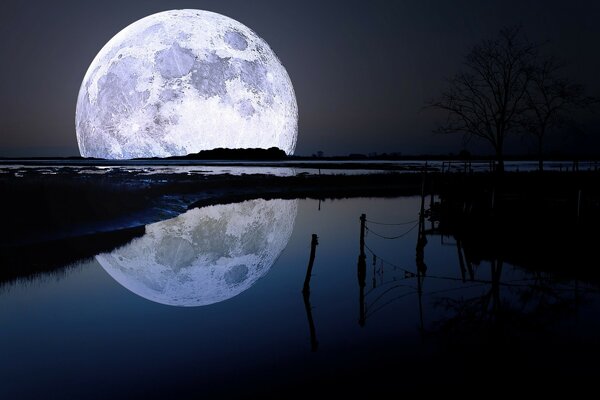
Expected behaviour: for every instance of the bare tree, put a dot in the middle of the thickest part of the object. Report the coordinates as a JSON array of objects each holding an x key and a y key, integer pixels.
[
  {"x": 551, "y": 100},
  {"x": 487, "y": 99}
]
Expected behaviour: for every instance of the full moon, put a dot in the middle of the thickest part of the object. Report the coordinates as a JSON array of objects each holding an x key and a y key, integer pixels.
[
  {"x": 205, "y": 255},
  {"x": 181, "y": 81}
]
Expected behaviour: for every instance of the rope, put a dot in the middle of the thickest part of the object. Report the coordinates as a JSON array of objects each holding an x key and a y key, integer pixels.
[
  {"x": 398, "y": 224},
  {"x": 392, "y": 237}
]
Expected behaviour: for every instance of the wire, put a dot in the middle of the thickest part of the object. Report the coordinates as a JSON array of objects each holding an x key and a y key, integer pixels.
[
  {"x": 436, "y": 292},
  {"x": 400, "y": 223},
  {"x": 387, "y": 283},
  {"x": 369, "y": 313},
  {"x": 389, "y": 263},
  {"x": 392, "y": 237}
]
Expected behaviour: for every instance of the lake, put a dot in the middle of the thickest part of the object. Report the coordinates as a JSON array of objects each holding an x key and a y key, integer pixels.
[{"x": 210, "y": 303}]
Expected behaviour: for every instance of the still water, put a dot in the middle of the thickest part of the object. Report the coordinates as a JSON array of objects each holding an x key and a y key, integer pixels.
[{"x": 210, "y": 304}]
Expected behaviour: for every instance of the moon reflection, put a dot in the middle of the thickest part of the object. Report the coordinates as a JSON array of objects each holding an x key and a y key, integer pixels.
[{"x": 206, "y": 255}]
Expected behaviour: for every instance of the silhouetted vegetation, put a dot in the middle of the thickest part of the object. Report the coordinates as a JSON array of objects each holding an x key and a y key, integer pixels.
[
  {"x": 272, "y": 153},
  {"x": 550, "y": 103},
  {"x": 504, "y": 90},
  {"x": 31, "y": 260}
]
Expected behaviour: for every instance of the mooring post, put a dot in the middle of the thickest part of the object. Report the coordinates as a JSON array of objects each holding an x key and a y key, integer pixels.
[
  {"x": 313, "y": 246},
  {"x": 363, "y": 221}
]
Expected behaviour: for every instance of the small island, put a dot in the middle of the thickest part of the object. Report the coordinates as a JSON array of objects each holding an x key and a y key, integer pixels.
[{"x": 271, "y": 154}]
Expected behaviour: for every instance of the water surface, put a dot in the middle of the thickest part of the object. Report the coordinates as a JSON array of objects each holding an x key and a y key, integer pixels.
[{"x": 418, "y": 318}]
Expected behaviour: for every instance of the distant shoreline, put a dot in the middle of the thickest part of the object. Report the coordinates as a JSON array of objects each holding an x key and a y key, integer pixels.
[{"x": 390, "y": 165}]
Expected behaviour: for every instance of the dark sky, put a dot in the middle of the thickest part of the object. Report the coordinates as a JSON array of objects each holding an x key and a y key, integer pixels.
[{"x": 362, "y": 70}]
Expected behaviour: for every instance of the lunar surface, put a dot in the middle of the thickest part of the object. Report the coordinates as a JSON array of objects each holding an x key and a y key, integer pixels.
[
  {"x": 205, "y": 255},
  {"x": 182, "y": 81}
]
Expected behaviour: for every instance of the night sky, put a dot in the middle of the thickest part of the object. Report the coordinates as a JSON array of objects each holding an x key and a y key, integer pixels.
[{"x": 362, "y": 71}]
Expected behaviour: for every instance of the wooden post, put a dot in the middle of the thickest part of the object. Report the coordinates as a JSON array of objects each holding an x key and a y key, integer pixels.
[
  {"x": 313, "y": 246},
  {"x": 420, "y": 257},
  {"x": 363, "y": 221},
  {"x": 422, "y": 210}
]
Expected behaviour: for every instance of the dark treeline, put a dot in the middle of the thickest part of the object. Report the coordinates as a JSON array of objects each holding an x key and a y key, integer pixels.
[
  {"x": 272, "y": 153},
  {"x": 31, "y": 260}
]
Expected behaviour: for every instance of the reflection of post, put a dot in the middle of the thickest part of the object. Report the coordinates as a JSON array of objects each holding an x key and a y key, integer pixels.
[
  {"x": 421, "y": 239},
  {"x": 363, "y": 220},
  {"x": 420, "y": 255},
  {"x": 496, "y": 266},
  {"x": 313, "y": 246},
  {"x": 314, "y": 344},
  {"x": 420, "y": 278},
  {"x": 306, "y": 293},
  {"x": 461, "y": 261},
  {"x": 362, "y": 272}
]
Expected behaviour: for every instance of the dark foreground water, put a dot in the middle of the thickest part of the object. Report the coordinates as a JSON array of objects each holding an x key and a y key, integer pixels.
[{"x": 210, "y": 304}]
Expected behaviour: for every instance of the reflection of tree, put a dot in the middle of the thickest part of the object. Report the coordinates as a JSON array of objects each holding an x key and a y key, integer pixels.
[
  {"x": 506, "y": 309},
  {"x": 510, "y": 301}
]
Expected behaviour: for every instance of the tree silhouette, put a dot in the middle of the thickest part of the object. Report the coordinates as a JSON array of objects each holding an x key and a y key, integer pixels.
[
  {"x": 488, "y": 99},
  {"x": 551, "y": 101}
]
